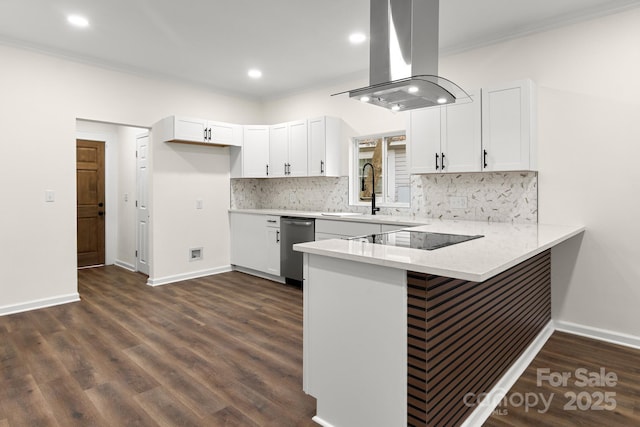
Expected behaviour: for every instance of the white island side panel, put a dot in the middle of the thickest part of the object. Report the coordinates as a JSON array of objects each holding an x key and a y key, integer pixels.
[{"x": 355, "y": 338}]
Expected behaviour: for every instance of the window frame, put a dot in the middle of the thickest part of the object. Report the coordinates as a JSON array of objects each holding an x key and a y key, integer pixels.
[{"x": 354, "y": 171}]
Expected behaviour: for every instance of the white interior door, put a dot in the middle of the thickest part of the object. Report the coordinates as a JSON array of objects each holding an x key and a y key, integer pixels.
[{"x": 142, "y": 204}]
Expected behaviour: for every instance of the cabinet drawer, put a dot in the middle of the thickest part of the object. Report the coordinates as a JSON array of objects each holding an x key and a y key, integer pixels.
[
  {"x": 272, "y": 221},
  {"x": 346, "y": 228}
]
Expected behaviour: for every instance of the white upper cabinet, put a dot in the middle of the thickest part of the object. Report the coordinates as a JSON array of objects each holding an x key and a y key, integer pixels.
[
  {"x": 446, "y": 139},
  {"x": 288, "y": 149},
  {"x": 298, "y": 148},
  {"x": 198, "y": 131},
  {"x": 495, "y": 132},
  {"x": 278, "y": 150},
  {"x": 425, "y": 134},
  {"x": 461, "y": 136},
  {"x": 508, "y": 126},
  {"x": 324, "y": 146},
  {"x": 252, "y": 161}
]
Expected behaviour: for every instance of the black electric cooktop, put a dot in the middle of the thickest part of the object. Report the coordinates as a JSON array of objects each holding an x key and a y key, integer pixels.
[{"x": 416, "y": 239}]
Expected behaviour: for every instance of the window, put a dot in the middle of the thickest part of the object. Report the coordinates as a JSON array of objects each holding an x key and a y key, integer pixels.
[{"x": 388, "y": 155}]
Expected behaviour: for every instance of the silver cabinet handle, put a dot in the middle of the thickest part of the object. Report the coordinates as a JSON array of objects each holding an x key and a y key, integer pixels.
[
  {"x": 277, "y": 236},
  {"x": 321, "y": 166}
]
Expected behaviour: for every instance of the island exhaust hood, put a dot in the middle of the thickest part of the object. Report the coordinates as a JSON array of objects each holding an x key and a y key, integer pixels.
[{"x": 403, "y": 56}]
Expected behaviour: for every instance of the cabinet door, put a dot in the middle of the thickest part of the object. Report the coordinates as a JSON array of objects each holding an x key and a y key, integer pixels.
[
  {"x": 248, "y": 246},
  {"x": 298, "y": 148},
  {"x": 188, "y": 129},
  {"x": 225, "y": 134},
  {"x": 461, "y": 141},
  {"x": 272, "y": 246},
  {"x": 255, "y": 151},
  {"x": 317, "y": 147},
  {"x": 506, "y": 126},
  {"x": 424, "y": 140},
  {"x": 278, "y": 149}
]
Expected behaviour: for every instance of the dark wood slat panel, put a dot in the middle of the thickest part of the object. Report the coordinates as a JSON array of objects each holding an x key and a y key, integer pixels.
[
  {"x": 456, "y": 289},
  {"x": 468, "y": 296},
  {"x": 473, "y": 333},
  {"x": 487, "y": 322}
]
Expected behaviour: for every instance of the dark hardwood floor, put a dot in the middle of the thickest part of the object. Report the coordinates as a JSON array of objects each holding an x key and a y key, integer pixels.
[
  {"x": 581, "y": 399},
  {"x": 224, "y": 350}
]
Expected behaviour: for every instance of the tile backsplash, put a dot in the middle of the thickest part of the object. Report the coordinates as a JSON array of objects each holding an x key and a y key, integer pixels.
[{"x": 490, "y": 196}]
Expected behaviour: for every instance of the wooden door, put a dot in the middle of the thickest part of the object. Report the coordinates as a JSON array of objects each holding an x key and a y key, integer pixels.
[{"x": 90, "y": 202}]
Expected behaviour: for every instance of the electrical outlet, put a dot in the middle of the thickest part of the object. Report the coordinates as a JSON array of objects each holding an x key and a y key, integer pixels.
[
  {"x": 292, "y": 197},
  {"x": 126, "y": 197},
  {"x": 195, "y": 254},
  {"x": 458, "y": 202}
]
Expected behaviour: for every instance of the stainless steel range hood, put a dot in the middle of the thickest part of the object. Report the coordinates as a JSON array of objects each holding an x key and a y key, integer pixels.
[{"x": 403, "y": 72}]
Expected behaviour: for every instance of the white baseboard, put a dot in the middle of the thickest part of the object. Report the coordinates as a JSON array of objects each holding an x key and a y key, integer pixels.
[
  {"x": 186, "y": 276},
  {"x": 483, "y": 412},
  {"x": 322, "y": 422},
  {"x": 41, "y": 303},
  {"x": 125, "y": 265},
  {"x": 259, "y": 274},
  {"x": 598, "y": 334}
]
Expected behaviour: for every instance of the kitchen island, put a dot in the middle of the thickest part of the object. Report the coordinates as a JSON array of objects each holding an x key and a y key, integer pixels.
[{"x": 397, "y": 336}]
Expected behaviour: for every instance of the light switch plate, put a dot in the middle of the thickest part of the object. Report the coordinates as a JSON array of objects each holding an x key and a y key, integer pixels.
[
  {"x": 49, "y": 196},
  {"x": 199, "y": 204}
]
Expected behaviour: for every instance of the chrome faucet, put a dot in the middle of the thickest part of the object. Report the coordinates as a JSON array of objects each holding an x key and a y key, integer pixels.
[{"x": 373, "y": 187}]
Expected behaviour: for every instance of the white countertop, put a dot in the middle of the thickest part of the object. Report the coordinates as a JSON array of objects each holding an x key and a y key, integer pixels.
[
  {"x": 339, "y": 216},
  {"x": 503, "y": 246}
]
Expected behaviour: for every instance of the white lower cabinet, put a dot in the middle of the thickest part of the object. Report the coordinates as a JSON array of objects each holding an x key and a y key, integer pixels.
[
  {"x": 272, "y": 245},
  {"x": 255, "y": 242}
]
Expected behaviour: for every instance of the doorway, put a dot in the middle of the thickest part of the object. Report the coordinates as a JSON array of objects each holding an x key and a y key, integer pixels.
[{"x": 90, "y": 182}]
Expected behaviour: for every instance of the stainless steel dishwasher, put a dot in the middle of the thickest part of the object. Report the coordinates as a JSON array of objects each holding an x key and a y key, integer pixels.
[{"x": 294, "y": 230}]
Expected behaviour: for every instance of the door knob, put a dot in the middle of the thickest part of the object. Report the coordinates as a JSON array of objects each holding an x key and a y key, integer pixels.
[{"x": 100, "y": 204}]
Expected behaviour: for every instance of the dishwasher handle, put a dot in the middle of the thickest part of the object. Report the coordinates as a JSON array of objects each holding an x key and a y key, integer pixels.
[{"x": 298, "y": 223}]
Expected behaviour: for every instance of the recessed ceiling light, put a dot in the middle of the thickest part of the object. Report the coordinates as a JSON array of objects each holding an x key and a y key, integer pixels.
[
  {"x": 395, "y": 108},
  {"x": 254, "y": 74},
  {"x": 413, "y": 89},
  {"x": 442, "y": 100},
  {"x": 365, "y": 99},
  {"x": 78, "y": 21},
  {"x": 357, "y": 38}
]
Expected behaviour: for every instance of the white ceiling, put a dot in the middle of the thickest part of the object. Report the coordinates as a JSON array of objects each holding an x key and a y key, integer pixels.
[{"x": 296, "y": 43}]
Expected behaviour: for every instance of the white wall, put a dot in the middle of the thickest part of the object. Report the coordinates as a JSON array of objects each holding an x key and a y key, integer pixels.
[
  {"x": 589, "y": 146},
  {"x": 42, "y": 96}
]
